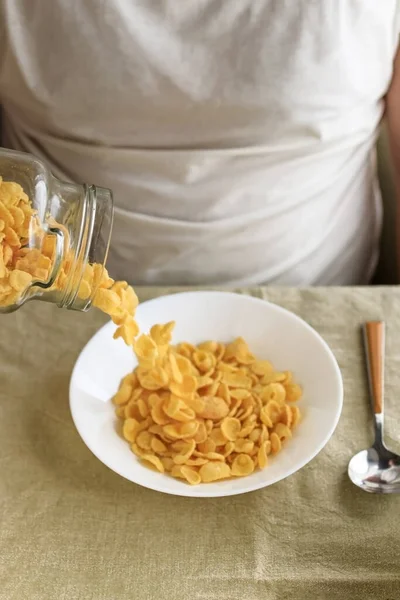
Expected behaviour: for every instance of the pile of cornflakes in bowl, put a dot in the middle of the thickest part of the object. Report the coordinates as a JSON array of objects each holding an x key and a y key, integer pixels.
[{"x": 204, "y": 413}]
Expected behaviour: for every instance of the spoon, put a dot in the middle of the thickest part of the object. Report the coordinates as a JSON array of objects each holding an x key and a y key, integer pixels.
[{"x": 376, "y": 470}]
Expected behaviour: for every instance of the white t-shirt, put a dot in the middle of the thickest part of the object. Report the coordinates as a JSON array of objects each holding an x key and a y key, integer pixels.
[{"x": 237, "y": 135}]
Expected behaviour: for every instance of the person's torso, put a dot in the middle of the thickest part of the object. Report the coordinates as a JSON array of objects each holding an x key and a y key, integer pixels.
[{"x": 236, "y": 136}]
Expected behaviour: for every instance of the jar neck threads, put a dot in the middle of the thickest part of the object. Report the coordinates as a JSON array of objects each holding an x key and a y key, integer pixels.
[{"x": 91, "y": 245}]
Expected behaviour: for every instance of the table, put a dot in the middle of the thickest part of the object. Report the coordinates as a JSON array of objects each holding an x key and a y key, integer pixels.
[{"x": 71, "y": 529}]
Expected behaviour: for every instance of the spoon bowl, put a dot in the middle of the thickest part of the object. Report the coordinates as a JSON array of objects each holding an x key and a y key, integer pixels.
[{"x": 377, "y": 472}]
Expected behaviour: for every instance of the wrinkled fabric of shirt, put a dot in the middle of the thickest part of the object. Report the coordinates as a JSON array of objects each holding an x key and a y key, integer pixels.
[{"x": 238, "y": 137}]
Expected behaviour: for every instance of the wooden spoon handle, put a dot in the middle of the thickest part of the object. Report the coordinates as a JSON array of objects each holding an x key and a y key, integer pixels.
[{"x": 374, "y": 340}]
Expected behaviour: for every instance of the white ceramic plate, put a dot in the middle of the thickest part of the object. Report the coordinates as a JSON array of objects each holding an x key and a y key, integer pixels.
[{"x": 272, "y": 332}]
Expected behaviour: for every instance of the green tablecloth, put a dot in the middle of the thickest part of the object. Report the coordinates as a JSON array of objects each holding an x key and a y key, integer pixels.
[{"x": 71, "y": 529}]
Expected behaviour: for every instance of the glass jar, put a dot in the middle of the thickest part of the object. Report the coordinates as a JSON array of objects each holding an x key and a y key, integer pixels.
[{"x": 69, "y": 229}]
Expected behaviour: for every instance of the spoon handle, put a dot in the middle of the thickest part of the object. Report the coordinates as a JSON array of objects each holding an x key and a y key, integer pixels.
[{"x": 374, "y": 341}]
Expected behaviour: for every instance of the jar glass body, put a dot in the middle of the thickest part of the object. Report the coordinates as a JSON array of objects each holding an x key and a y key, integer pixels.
[{"x": 69, "y": 229}]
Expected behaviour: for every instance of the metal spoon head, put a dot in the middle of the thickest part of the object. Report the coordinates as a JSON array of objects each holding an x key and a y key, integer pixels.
[{"x": 376, "y": 472}]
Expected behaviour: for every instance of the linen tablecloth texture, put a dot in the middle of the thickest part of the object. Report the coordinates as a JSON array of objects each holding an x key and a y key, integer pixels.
[{"x": 72, "y": 529}]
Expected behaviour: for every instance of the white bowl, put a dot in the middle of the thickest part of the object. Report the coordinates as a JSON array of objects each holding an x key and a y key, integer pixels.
[{"x": 272, "y": 332}]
